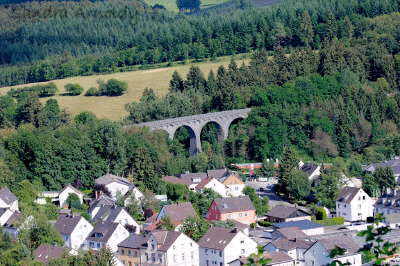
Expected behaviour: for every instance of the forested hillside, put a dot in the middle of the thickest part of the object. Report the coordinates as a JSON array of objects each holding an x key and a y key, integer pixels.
[{"x": 55, "y": 40}]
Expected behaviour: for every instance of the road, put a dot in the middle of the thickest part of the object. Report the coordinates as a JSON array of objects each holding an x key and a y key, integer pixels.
[{"x": 268, "y": 191}]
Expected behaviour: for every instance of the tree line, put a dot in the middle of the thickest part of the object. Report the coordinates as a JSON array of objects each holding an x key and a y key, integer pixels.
[{"x": 99, "y": 37}]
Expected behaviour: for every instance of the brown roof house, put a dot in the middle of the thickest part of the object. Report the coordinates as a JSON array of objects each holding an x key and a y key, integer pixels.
[
  {"x": 169, "y": 248},
  {"x": 239, "y": 209},
  {"x": 44, "y": 253},
  {"x": 74, "y": 230},
  {"x": 293, "y": 247},
  {"x": 284, "y": 213},
  {"x": 177, "y": 212},
  {"x": 129, "y": 250},
  {"x": 277, "y": 259},
  {"x": 221, "y": 246}
]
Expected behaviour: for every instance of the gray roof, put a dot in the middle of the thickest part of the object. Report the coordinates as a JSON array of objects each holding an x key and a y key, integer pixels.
[
  {"x": 228, "y": 205},
  {"x": 7, "y": 196},
  {"x": 285, "y": 212},
  {"x": 103, "y": 200},
  {"x": 392, "y": 218},
  {"x": 347, "y": 194},
  {"x": 165, "y": 239},
  {"x": 107, "y": 213},
  {"x": 66, "y": 223},
  {"x": 394, "y": 164},
  {"x": 345, "y": 242},
  {"x": 309, "y": 168},
  {"x": 45, "y": 253},
  {"x": 278, "y": 257},
  {"x": 109, "y": 178},
  {"x": 102, "y": 232},
  {"x": 289, "y": 233},
  {"x": 177, "y": 180},
  {"x": 217, "y": 237},
  {"x": 134, "y": 241},
  {"x": 217, "y": 173},
  {"x": 190, "y": 177},
  {"x": 302, "y": 224},
  {"x": 290, "y": 244}
]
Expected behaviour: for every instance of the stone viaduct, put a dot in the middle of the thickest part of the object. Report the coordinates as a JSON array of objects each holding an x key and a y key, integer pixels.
[{"x": 195, "y": 123}]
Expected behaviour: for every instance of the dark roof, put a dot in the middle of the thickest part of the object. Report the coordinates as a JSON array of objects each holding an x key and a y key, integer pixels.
[
  {"x": 66, "y": 223},
  {"x": 13, "y": 220},
  {"x": 103, "y": 200},
  {"x": 102, "y": 231},
  {"x": 345, "y": 242},
  {"x": 217, "y": 173},
  {"x": 217, "y": 237},
  {"x": 107, "y": 213},
  {"x": 278, "y": 257},
  {"x": 347, "y": 194},
  {"x": 45, "y": 252},
  {"x": 394, "y": 164},
  {"x": 203, "y": 183},
  {"x": 176, "y": 180},
  {"x": 7, "y": 196},
  {"x": 285, "y": 212},
  {"x": 302, "y": 224},
  {"x": 191, "y": 177},
  {"x": 228, "y": 205},
  {"x": 133, "y": 241},
  {"x": 392, "y": 218},
  {"x": 286, "y": 244},
  {"x": 165, "y": 239},
  {"x": 309, "y": 168},
  {"x": 179, "y": 212},
  {"x": 290, "y": 233},
  {"x": 109, "y": 178}
]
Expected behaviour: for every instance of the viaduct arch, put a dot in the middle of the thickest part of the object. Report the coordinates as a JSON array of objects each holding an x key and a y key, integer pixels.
[{"x": 195, "y": 123}]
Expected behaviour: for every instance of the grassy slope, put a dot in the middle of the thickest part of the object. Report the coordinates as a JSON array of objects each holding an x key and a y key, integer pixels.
[{"x": 113, "y": 107}]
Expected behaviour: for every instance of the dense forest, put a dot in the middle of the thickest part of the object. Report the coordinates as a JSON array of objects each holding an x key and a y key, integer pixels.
[
  {"x": 324, "y": 80},
  {"x": 44, "y": 41}
]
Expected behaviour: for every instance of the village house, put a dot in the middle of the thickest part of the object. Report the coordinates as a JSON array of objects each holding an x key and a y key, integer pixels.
[
  {"x": 354, "y": 204},
  {"x": 306, "y": 226},
  {"x": 116, "y": 185},
  {"x": 8, "y": 199},
  {"x": 393, "y": 164},
  {"x": 277, "y": 259},
  {"x": 116, "y": 214},
  {"x": 102, "y": 201},
  {"x": 74, "y": 230},
  {"x": 177, "y": 212},
  {"x": 5, "y": 214},
  {"x": 106, "y": 234},
  {"x": 213, "y": 184},
  {"x": 13, "y": 225},
  {"x": 45, "y": 253},
  {"x": 388, "y": 203},
  {"x": 221, "y": 246},
  {"x": 392, "y": 220},
  {"x": 234, "y": 185},
  {"x": 129, "y": 250},
  {"x": 169, "y": 248},
  {"x": 312, "y": 170},
  {"x": 239, "y": 209},
  {"x": 285, "y": 213},
  {"x": 318, "y": 253},
  {"x": 59, "y": 198}
]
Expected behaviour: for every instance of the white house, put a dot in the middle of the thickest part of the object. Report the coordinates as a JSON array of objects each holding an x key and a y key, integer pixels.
[
  {"x": 74, "y": 230},
  {"x": 234, "y": 186},
  {"x": 220, "y": 246},
  {"x": 354, "y": 204},
  {"x": 8, "y": 199},
  {"x": 115, "y": 214},
  {"x": 63, "y": 195},
  {"x": 170, "y": 248},
  {"x": 116, "y": 185},
  {"x": 5, "y": 214},
  {"x": 102, "y": 201},
  {"x": 213, "y": 184},
  {"x": 312, "y": 170},
  {"x": 318, "y": 253},
  {"x": 106, "y": 234}
]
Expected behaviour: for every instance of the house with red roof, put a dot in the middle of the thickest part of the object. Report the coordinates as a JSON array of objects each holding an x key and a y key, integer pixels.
[{"x": 177, "y": 212}]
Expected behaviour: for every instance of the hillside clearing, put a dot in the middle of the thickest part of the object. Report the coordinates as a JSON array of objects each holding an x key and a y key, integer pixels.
[{"x": 114, "y": 107}]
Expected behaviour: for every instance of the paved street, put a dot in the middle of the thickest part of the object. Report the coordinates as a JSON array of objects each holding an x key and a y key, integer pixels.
[{"x": 268, "y": 191}]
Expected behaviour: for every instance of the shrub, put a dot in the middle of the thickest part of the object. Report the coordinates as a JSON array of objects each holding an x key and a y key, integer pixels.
[
  {"x": 320, "y": 213},
  {"x": 264, "y": 223},
  {"x": 91, "y": 92},
  {"x": 42, "y": 90},
  {"x": 113, "y": 87},
  {"x": 73, "y": 89},
  {"x": 331, "y": 222}
]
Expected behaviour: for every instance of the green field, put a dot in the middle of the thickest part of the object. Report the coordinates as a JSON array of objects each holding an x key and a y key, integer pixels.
[
  {"x": 171, "y": 4},
  {"x": 113, "y": 107}
]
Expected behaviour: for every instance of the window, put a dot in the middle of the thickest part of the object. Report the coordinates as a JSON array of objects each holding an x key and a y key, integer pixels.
[
  {"x": 206, "y": 251},
  {"x": 363, "y": 197},
  {"x": 191, "y": 254},
  {"x": 153, "y": 257},
  {"x": 220, "y": 253},
  {"x": 191, "y": 244},
  {"x": 220, "y": 264},
  {"x": 129, "y": 252},
  {"x": 173, "y": 247},
  {"x": 174, "y": 258},
  {"x": 242, "y": 251},
  {"x": 130, "y": 263},
  {"x": 236, "y": 188},
  {"x": 147, "y": 256},
  {"x": 359, "y": 206},
  {"x": 240, "y": 214},
  {"x": 98, "y": 245},
  {"x": 160, "y": 258},
  {"x": 183, "y": 256},
  {"x": 122, "y": 251},
  {"x": 207, "y": 263},
  {"x": 91, "y": 244},
  {"x": 241, "y": 241},
  {"x": 153, "y": 247}
]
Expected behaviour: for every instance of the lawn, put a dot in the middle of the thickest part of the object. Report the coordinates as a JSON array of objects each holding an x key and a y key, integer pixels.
[{"x": 113, "y": 107}]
